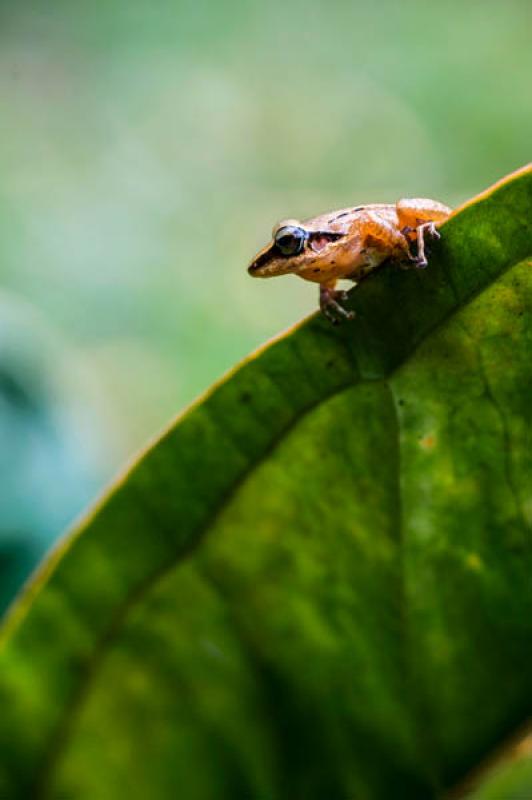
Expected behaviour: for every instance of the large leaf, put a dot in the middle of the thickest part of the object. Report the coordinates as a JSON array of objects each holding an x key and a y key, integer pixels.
[
  {"x": 505, "y": 775},
  {"x": 316, "y": 584}
]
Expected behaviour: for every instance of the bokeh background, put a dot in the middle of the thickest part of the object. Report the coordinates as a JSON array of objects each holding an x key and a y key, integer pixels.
[{"x": 146, "y": 149}]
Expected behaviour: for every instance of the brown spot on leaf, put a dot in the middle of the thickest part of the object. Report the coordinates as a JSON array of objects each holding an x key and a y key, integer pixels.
[{"x": 427, "y": 442}]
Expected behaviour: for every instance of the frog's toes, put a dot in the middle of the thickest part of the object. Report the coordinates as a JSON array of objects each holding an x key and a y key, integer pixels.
[
  {"x": 331, "y": 307},
  {"x": 432, "y": 230},
  {"x": 328, "y": 314}
]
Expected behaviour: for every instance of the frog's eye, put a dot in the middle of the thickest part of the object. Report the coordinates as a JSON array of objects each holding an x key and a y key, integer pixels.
[{"x": 290, "y": 240}]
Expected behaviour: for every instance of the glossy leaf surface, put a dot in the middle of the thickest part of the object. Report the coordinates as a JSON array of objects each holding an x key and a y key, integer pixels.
[{"x": 317, "y": 583}]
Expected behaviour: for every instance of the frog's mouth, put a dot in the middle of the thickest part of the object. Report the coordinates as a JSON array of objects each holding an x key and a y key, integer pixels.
[{"x": 270, "y": 261}]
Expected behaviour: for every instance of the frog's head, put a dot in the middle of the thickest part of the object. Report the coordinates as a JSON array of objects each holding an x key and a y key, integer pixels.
[
  {"x": 293, "y": 245},
  {"x": 284, "y": 253}
]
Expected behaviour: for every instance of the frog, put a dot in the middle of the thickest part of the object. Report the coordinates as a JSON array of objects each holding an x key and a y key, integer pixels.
[{"x": 350, "y": 243}]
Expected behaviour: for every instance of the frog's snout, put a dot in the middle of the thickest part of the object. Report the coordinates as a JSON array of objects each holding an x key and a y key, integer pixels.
[
  {"x": 261, "y": 266},
  {"x": 269, "y": 267},
  {"x": 259, "y": 269}
]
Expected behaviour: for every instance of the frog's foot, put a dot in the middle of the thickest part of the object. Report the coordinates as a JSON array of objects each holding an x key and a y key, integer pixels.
[
  {"x": 331, "y": 307},
  {"x": 427, "y": 229}
]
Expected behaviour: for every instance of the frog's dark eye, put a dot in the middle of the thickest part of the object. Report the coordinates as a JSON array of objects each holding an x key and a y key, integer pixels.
[{"x": 290, "y": 240}]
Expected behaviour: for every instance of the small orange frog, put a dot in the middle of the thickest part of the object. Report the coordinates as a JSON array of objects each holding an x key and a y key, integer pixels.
[{"x": 349, "y": 243}]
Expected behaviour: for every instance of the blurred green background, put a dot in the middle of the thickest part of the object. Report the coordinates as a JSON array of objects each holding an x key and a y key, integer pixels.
[{"x": 146, "y": 149}]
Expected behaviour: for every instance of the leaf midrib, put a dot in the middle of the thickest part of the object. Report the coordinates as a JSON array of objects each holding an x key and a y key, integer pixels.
[{"x": 60, "y": 738}]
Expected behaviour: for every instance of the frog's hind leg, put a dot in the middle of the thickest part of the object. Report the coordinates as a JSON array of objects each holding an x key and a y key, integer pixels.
[
  {"x": 417, "y": 219},
  {"x": 421, "y": 231},
  {"x": 380, "y": 240}
]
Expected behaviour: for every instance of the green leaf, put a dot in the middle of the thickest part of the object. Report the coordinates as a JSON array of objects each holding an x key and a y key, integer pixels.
[
  {"x": 316, "y": 584},
  {"x": 505, "y": 775}
]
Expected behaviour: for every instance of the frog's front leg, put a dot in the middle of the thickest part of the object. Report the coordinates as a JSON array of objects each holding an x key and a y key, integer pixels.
[
  {"x": 330, "y": 305},
  {"x": 418, "y": 218}
]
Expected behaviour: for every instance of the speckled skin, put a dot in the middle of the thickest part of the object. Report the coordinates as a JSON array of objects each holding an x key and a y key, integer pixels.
[{"x": 369, "y": 235}]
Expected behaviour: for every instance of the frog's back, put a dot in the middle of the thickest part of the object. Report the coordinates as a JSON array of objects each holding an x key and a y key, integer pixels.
[{"x": 342, "y": 219}]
